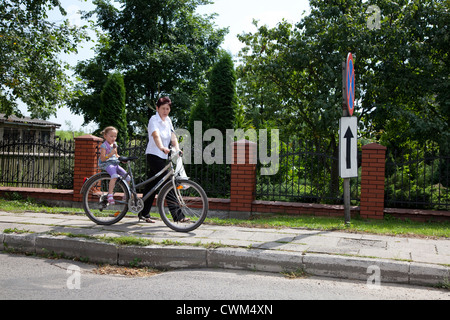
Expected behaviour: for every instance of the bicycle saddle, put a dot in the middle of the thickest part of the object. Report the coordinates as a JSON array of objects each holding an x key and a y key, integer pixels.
[{"x": 127, "y": 159}]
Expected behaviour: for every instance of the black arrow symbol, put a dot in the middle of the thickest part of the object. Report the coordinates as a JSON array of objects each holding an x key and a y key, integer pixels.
[{"x": 349, "y": 136}]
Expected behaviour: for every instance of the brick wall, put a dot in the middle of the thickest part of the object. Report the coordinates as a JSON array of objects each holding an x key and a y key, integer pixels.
[
  {"x": 372, "y": 181},
  {"x": 85, "y": 162},
  {"x": 242, "y": 201},
  {"x": 243, "y": 176}
]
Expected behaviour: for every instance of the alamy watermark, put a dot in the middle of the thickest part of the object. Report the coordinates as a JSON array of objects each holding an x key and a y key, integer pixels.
[
  {"x": 74, "y": 280},
  {"x": 374, "y": 20},
  {"x": 374, "y": 280},
  {"x": 266, "y": 152}
]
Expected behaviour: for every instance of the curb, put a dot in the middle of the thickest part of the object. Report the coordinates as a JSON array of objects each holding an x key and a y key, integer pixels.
[{"x": 168, "y": 257}]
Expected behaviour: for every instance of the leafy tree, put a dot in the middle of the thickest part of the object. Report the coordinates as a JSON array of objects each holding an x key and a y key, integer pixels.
[
  {"x": 29, "y": 46},
  {"x": 112, "y": 112},
  {"x": 407, "y": 89},
  {"x": 162, "y": 47},
  {"x": 292, "y": 74},
  {"x": 89, "y": 102}
]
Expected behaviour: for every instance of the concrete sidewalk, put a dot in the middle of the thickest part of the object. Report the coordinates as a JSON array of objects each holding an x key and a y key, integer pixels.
[{"x": 322, "y": 253}]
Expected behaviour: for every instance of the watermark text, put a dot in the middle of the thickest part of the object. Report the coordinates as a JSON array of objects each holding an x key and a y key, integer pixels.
[{"x": 220, "y": 150}]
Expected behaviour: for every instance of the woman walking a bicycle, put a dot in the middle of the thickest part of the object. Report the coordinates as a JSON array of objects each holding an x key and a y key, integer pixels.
[
  {"x": 161, "y": 135},
  {"x": 182, "y": 204}
]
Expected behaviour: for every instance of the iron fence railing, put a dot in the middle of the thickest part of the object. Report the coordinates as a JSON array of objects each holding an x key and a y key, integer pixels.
[
  {"x": 306, "y": 174},
  {"x": 418, "y": 178},
  {"x": 37, "y": 163}
]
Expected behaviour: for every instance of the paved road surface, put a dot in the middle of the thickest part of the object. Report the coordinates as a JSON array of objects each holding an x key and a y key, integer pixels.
[{"x": 23, "y": 277}]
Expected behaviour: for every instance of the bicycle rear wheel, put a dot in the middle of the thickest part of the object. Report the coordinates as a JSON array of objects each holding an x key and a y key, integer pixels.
[
  {"x": 185, "y": 212},
  {"x": 95, "y": 200}
]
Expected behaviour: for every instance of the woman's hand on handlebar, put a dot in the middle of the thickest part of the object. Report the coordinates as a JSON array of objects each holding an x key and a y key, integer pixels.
[
  {"x": 172, "y": 151},
  {"x": 165, "y": 150}
]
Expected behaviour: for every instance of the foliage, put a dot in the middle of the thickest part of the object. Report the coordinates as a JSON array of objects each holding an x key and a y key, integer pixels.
[
  {"x": 88, "y": 103},
  {"x": 29, "y": 47},
  {"x": 69, "y": 134},
  {"x": 199, "y": 112},
  {"x": 408, "y": 86},
  {"x": 64, "y": 177},
  {"x": 292, "y": 73},
  {"x": 418, "y": 178},
  {"x": 222, "y": 94},
  {"x": 162, "y": 47},
  {"x": 112, "y": 112},
  {"x": 217, "y": 105}
]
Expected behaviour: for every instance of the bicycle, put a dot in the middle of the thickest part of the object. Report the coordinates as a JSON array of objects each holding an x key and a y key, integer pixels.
[{"x": 179, "y": 197}]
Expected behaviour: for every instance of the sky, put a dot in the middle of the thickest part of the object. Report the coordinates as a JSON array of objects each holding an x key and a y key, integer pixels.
[{"x": 237, "y": 15}]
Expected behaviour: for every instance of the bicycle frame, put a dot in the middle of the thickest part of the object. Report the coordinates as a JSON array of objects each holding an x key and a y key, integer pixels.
[
  {"x": 143, "y": 184},
  {"x": 169, "y": 167}
]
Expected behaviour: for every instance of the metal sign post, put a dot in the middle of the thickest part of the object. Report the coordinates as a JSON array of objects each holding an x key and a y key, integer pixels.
[{"x": 348, "y": 133}]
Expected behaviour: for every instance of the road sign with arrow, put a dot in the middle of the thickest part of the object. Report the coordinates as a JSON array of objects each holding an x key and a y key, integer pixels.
[
  {"x": 348, "y": 151},
  {"x": 348, "y": 133}
]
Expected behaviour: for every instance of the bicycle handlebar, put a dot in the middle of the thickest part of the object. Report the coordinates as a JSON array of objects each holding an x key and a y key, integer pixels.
[{"x": 173, "y": 152}]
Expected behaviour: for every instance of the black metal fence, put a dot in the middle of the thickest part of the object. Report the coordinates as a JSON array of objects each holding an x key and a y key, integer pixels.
[
  {"x": 37, "y": 164},
  {"x": 418, "y": 178},
  {"x": 306, "y": 174}
]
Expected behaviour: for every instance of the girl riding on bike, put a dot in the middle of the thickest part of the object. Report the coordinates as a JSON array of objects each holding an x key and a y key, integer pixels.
[{"x": 109, "y": 160}]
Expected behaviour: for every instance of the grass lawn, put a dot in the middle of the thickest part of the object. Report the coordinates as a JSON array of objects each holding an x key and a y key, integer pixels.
[{"x": 388, "y": 226}]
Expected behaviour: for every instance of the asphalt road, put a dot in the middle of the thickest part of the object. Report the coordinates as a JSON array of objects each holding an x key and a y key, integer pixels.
[{"x": 23, "y": 277}]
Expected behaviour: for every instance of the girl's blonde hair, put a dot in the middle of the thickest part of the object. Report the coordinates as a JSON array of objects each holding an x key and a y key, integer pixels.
[{"x": 108, "y": 129}]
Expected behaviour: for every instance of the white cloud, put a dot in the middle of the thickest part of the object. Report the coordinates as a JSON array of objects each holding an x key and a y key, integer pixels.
[{"x": 74, "y": 16}]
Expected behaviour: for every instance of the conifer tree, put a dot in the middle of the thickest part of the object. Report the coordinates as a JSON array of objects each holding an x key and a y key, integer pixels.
[
  {"x": 112, "y": 111},
  {"x": 222, "y": 94}
]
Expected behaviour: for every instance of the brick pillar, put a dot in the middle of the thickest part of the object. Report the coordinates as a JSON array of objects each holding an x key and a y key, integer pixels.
[
  {"x": 86, "y": 164},
  {"x": 372, "y": 181},
  {"x": 243, "y": 178}
]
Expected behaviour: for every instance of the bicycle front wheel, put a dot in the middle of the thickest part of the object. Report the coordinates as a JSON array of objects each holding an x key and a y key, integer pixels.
[
  {"x": 185, "y": 208},
  {"x": 95, "y": 200}
]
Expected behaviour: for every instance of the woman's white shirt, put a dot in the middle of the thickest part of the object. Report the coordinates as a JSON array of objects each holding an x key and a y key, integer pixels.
[{"x": 165, "y": 129}]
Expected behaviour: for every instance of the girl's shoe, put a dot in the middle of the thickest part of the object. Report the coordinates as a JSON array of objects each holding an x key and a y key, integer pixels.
[{"x": 111, "y": 199}]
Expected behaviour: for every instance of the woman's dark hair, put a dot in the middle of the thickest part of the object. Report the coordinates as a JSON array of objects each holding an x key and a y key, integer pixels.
[{"x": 163, "y": 101}]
